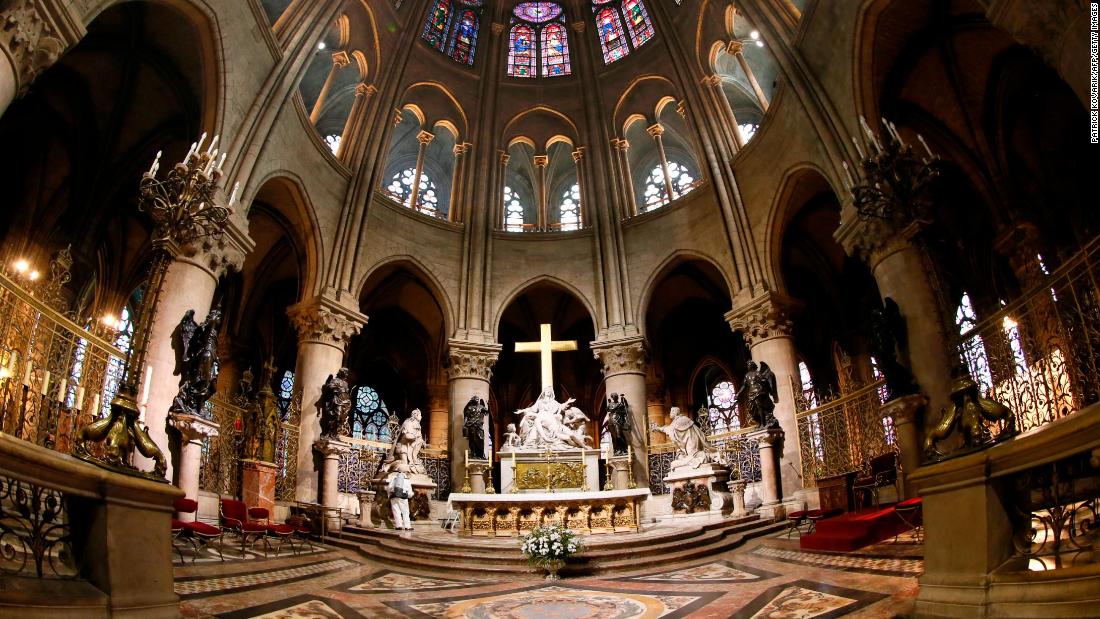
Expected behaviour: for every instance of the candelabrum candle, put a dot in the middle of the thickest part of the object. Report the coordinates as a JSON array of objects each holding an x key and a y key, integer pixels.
[
  {"x": 95, "y": 405},
  {"x": 145, "y": 387},
  {"x": 45, "y": 382},
  {"x": 27, "y": 376},
  {"x": 61, "y": 390},
  {"x": 79, "y": 398}
]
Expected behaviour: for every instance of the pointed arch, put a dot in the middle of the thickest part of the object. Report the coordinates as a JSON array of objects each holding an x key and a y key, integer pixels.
[{"x": 544, "y": 280}]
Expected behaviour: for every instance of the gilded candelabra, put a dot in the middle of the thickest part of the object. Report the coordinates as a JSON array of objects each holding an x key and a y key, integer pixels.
[
  {"x": 489, "y": 489},
  {"x": 608, "y": 484},
  {"x": 893, "y": 183},
  {"x": 184, "y": 208}
]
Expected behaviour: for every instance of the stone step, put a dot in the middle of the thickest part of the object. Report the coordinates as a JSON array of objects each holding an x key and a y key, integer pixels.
[{"x": 426, "y": 554}]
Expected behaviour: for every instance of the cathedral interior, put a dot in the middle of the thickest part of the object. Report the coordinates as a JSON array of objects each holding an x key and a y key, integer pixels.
[{"x": 784, "y": 308}]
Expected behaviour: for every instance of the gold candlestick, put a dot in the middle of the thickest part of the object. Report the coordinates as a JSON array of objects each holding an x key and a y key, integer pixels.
[
  {"x": 630, "y": 468},
  {"x": 489, "y": 489},
  {"x": 608, "y": 484},
  {"x": 549, "y": 485},
  {"x": 515, "y": 475}
]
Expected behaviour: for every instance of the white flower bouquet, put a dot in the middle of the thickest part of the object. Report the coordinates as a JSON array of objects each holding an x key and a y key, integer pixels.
[{"x": 550, "y": 546}]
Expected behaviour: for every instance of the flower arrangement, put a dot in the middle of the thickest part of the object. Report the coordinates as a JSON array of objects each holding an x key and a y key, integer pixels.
[{"x": 549, "y": 547}]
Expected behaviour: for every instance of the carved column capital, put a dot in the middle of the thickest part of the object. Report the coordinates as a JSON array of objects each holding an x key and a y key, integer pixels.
[
  {"x": 578, "y": 154},
  {"x": 622, "y": 356},
  {"x": 217, "y": 254},
  {"x": 471, "y": 360},
  {"x": 425, "y": 137},
  {"x": 711, "y": 80},
  {"x": 340, "y": 59},
  {"x": 655, "y": 130},
  {"x": 504, "y": 158},
  {"x": 497, "y": 28},
  {"x": 765, "y": 317},
  {"x": 324, "y": 321},
  {"x": 192, "y": 428},
  {"x": 34, "y": 34},
  {"x": 735, "y": 47},
  {"x": 541, "y": 161},
  {"x": 874, "y": 239},
  {"x": 330, "y": 448},
  {"x": 362, "y": 89},
  {"x": 462, "y": 148}
]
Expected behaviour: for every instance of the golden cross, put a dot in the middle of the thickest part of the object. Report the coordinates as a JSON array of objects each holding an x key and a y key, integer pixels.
[{"x": 545, "y": 346}]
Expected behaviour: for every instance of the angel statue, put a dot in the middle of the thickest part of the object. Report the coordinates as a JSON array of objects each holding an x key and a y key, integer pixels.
[
  {"x": 760, "y": 395},
  {"x": 618, "y": 423},
  {"x": 334, "y": 404},
  {"x": 888, "y": 336},
  {"x": 475, "y": 423},
  {"x": 196, "y": 361},
  {"x": 692, "y": 450}
]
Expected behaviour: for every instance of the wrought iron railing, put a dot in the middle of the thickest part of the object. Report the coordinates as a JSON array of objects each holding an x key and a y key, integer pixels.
[
  {"x": 359, "y": 465},
  {"x": 1057, "y": 513},
  {"x": 286, "y": 450},
  {"x": 1040, "y": 354},
  {"x": 660, "y": 465},
  {"x": 35, "y": 537},
  {"x": 843, "y": 434},
  {"x": 220, "y": 471},
  {"x": 438, "y": 464},
  {"x": 55, "y": 376},
  {"x": 735, "y": 450}
]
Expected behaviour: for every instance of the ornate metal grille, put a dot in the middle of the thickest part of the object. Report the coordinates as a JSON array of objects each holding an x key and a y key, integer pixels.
[
  {"x": 740, "y": 453},
  {"x": 358, "y": 466},
  {"x": 1058, "y": 513},
  {"x": 1040, "y": 354},
  {"x": 439, "y": 469},
  {"x": 842, "y": 434},
  {"x": 34, "y": 531},
  {"x": 220, "y": 471},
  {"x": 286, "y": 450},
  {"x": 53, "y": 373},
  {"x": 660, "y": 464}
]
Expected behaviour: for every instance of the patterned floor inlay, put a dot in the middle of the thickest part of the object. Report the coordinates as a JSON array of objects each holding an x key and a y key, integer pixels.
[
  {"x": 713, "y": 572},
  {"x": 561, "y": 601},
  {"x": 298, "y": 607},
  {"x": 885, "y": 566},
  {"x": 387, "y": 581},
  {"x": 218, "y": 585},
  {"x": 802, "y": 599}
]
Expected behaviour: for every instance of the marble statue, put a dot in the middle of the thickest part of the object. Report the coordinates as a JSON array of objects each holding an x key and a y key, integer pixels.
[
  {"x": 692, "y": 450},
  {"x": 511, "y": 438},
  {"x": 618, "y": 423},
  {"x": 475, "y": 425},
  {"x": 197, "y": 361},
  {"x": 404, "y": 455},
  {"x": 551, "y": 424},
  {"x": 760, "y": 394},
  {"x": 334, "y": 404}
]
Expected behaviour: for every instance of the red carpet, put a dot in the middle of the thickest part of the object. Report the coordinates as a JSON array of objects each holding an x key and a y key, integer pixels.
[{"x": 854, "y": 530}]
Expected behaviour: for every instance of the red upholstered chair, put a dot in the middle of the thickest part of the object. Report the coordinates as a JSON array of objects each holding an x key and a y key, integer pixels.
[
  {"x": 794, "y": 522},
  {"x": 198, "y": 534},
  {"x": 235, "y": 518},
  {"x": 910, "y": 512},
  {"x": 302, "y": 530},
  {"x": 281, "y": 532}
]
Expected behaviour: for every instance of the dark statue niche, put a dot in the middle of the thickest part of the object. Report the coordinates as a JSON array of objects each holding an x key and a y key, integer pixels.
[
  {"x": 618, "y": 423},
  {"x": 196, "y": 348},
  {"x": 888, "y": 338},
  {"x": 475, "y": 417},
  {"x": 334, "y": 405},
  {"x": 759, "y": 394}
]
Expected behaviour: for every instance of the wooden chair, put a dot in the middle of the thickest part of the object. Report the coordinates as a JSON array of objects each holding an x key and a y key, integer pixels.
[{"x": 879, "y": 472}]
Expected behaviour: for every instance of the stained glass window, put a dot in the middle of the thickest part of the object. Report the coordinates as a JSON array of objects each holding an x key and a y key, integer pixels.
[
  {"x": 400, "y": 188},
  {"x": 369, "y": 416},
  {"x": 123, "y": 340},
  {"x": 655, "y": 194},
  {"x": 609, "y": 29},
  {"x": 284, "y": 393},
  {"x": 537, "y": 12},
  {"x": 722, "y": 408},
  {"x": 555, "y": 51},
  {"x": 808, "y": 392},
  {"x": 513, "y": 211},
  {"x": 464, "y": 40},
  {"x": 435, "y": 27},
  {"x": 570, "y": 209},
  {"x": 333, "y": 142},
  {"x": 973, "y": 348},
  {"x": 747, "y": 131},
  {"x": 521, "y": 51},
  {"x": 637, "y": 22}
]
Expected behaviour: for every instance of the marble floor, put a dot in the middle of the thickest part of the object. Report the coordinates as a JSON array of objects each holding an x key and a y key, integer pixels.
[{"x": 768, "y": 577}]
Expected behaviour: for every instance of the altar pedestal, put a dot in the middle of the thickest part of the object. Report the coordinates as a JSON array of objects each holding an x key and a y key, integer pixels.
[
  {"x": 569, "y": 470},
  {"x": 687, "y": 485},
  {"x": 509, "y": 515},
  {"x": 620, "y": 472},
  {"x": 475, "y": 469},
  {"x": 258, "y": 484}
]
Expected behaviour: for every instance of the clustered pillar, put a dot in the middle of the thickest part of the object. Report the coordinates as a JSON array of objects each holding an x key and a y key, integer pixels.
[
  {"x": 469, "y": 374},
  {"x": 624, "y": 369}
]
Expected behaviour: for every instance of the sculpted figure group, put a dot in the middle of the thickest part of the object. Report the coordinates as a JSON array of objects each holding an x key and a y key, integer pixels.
[{"x": 551, "y": 424}]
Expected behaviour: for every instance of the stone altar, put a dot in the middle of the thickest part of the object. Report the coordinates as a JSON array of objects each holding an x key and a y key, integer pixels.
[{"x": 510, "y": 515}]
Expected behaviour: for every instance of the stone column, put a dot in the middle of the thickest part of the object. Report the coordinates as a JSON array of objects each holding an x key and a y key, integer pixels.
[
  {"x": 713, "y": 88},
  {"x": 339, "y": 61},
  {"x": 350, "y": 135},
  {"x": 765, "y": 324},
  {"x": 736, "y": 49},
  {"x": 578, "y": 158},
  {"x": 33, "y": 35},
  {"x": 906, "y": 413},
  {"x": 330, "y": 450},
  {"x": 543, "y": 221},
  {"x": 657, "y": 131},
  {"x": 366, "y": 504},
  {"x": 192, "y": 431},
  {"x": 425, "y": 138},
  {"x": 324, "y": 329},
  {"x": 622, "y": 166},
  {"x": 771, "y": 477},
  {"x": 469, "y": 374},
  {"x": 498, "y": 198},
  {"x": 188, "y": 285},
  {"x": 899, "y": 269},
  {"x": 737, "y": 490},
  {"x": 439, "y": 405},
  {"x": 624, "y": 369},
  {"x": 461, "y": 177}
]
